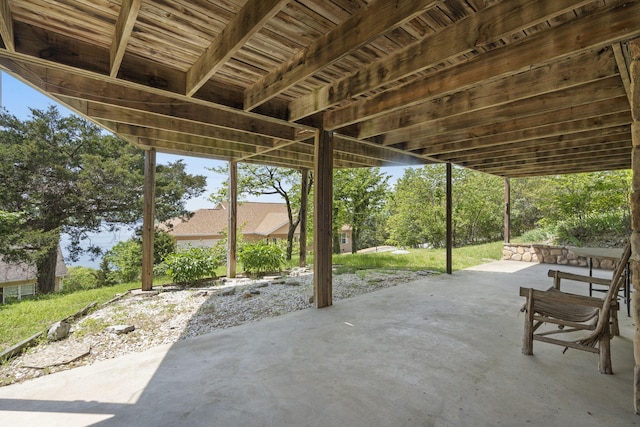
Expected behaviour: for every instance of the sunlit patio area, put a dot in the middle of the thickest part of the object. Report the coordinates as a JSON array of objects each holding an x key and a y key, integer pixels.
[{"x": 443, "y": 351}]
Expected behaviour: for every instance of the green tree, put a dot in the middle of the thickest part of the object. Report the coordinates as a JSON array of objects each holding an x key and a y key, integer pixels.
[
  {"x": 417, "y": 208},
  {"x": 66, "y": 176},
  {"x": 257, "y": 180},
  {"x": 358, "y": 196}
]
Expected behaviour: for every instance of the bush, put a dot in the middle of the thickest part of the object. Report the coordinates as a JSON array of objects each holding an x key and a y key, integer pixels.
[
  {"x": 260, "y": 258},
  {"x": 189, "y": 265},
  {"x": 79, "y": 278},
  {"x": 125, "y": 260}
]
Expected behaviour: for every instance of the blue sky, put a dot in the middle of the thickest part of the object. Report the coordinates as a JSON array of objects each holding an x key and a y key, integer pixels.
[{"x": 18, "y": 98}]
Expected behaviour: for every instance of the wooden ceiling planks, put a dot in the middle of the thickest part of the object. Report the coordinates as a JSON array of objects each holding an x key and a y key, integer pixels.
[{"x": 508, "y": 87}]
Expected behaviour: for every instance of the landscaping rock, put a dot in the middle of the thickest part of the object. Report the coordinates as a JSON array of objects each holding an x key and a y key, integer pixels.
[
  {"x": 58, "y": 331},
  {"x": 292, "y": 283},
  {"x": 120, "y": 329},
  {"x": 261, "y": 285},
  {"x": 228, "y": 291},
  {"x": 247, "y": 294}
]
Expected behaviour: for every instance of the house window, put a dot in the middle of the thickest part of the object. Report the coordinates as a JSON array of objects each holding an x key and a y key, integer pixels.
[
  {"x": 343, "y": 239},
  {"x": 17, "y": 292}
]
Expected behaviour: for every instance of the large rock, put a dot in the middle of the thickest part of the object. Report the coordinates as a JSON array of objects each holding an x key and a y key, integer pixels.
[{"x": 58, "y": 331}]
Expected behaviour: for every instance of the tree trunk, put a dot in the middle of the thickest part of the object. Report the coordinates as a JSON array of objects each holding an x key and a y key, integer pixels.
[
  {"x": 46, "y": 266},
  {"x": 336, "y": 241},
  {"x": 354, "y": 239},
  {"x": 290, "y": 235}
]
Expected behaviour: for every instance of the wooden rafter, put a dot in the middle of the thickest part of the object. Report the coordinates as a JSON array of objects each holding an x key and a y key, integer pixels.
[
  {"x": 484, "y": 84},
  {"x": 513, "y": 16},
  {"x": 6, "y": 26},
  {"x": 536, "y": 82},
  {"x": 251, "y": 18},
  {"x": 353, "y": 33},
  {"x": 569, "y": 39},
  {"x": 558, "y": 122},
  {"x": 591, "y": 92},
  {"x": 124, "y": 26}
]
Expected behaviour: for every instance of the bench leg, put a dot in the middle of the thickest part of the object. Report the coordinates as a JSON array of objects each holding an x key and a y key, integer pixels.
[
  {"x": 604, "y": 364},
  {"x": 527, "y": 340}
]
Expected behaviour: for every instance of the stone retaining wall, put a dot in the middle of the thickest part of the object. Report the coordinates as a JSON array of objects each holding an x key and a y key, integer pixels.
[{"x": 549, "y": 254}]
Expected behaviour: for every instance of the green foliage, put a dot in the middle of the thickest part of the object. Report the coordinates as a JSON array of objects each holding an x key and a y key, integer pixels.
[
  {"x": 259, "y": 258},
  {"x": 79, "y": 278},
  {"x": 104, "y": 276},
  {"x": 358, "y": 198},
  {"x": 126, "y": 260},
  {"x": 64, "y": 175},
  {"x": 188, "y": 265},
  {"x": 416, "y": 210}
]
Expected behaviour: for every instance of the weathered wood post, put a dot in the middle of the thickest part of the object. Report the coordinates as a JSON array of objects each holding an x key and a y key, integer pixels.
[
  {"x": 323, "y": 212},
  {"x": 304, "y": 202},
  {"x": 232, "y": 224},
  {"x": 507, "y": 210},
  {"x": 149, "y": 194},
  {"x": 634, "y": 99},
  {"x": 449, "y": 204}
]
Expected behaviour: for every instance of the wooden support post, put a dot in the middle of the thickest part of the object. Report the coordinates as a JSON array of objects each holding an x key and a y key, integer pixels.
[
  {"x": 449, "y": 221},
  {"x": 304, "y": 202},
  {"x": 507, "y": 210},
  {"x": 232, "y": 227},
  {"x": 323, "y": 207},
  {"x": 148, "y": 218},
  {"x": 634, "y": 100}
]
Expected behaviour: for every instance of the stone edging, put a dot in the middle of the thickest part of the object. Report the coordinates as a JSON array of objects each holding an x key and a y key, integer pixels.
[{"x": 549, "y": 254}]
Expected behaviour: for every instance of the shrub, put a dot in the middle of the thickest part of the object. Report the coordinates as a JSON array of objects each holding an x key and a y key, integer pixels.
[
  {"x": 79, "y": 278},
  {"x": 259, "y": 258},
  {"x": 125, "y": 260},
  {"x": 189, "y": 265}
]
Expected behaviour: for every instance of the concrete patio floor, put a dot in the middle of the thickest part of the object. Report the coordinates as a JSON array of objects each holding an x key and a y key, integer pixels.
[{"x": 443, "y": 351}]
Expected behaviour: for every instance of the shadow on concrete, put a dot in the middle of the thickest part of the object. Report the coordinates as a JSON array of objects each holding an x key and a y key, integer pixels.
[{"x": 440, "y": 351}]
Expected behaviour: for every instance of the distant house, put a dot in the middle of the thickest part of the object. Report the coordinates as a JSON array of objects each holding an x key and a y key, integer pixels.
[
  {"x": 256, "y": 221},
  {"x": 18, "y": 280}
]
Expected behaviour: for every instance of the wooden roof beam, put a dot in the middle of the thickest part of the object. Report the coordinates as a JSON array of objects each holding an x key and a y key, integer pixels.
[
  {"x": 6, "y": 26},
  {"x": 578, "y": 162},
  {"x": 560, "y": 75},
  {"x": 58, "y": 83},
  {"x": 480, "y": 29},
  {"x": 614, "y": 23},
  {"x": 122, "y": 129},
  {"x": 248, "y": 21},
  {"x": 551, "y": 153},
  {"x": 592, "y": 92},
  {"x": 606, "y": 124},
  {"x": 142, "y": 119},
  {"x": 351, "y": 34},
  {"x": 535, "y": 172},
  {"x": 566, "y": 120},
  {"x": 596, "y": 137},
  {"x": 124, "y": 26}
]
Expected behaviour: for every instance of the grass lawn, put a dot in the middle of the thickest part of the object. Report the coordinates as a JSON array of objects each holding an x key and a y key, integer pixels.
[{"x": 20, "y": 320}]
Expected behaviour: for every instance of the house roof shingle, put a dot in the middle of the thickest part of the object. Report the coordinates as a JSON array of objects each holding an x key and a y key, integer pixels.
[{"x": 253, "y": 218}]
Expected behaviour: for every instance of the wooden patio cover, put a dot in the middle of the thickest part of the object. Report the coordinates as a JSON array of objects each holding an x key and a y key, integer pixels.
[{"x": 512, "y": 88}]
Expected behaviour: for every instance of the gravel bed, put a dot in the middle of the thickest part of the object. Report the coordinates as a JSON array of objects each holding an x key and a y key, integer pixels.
[{"x": 174, "y": 314}]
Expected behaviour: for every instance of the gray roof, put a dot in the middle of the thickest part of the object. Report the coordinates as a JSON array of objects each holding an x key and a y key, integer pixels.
[{"x": 20, "y": 272}]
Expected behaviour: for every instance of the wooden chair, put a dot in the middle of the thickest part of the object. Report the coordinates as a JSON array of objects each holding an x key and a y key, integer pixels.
[{"x": 571, "y": 313}]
